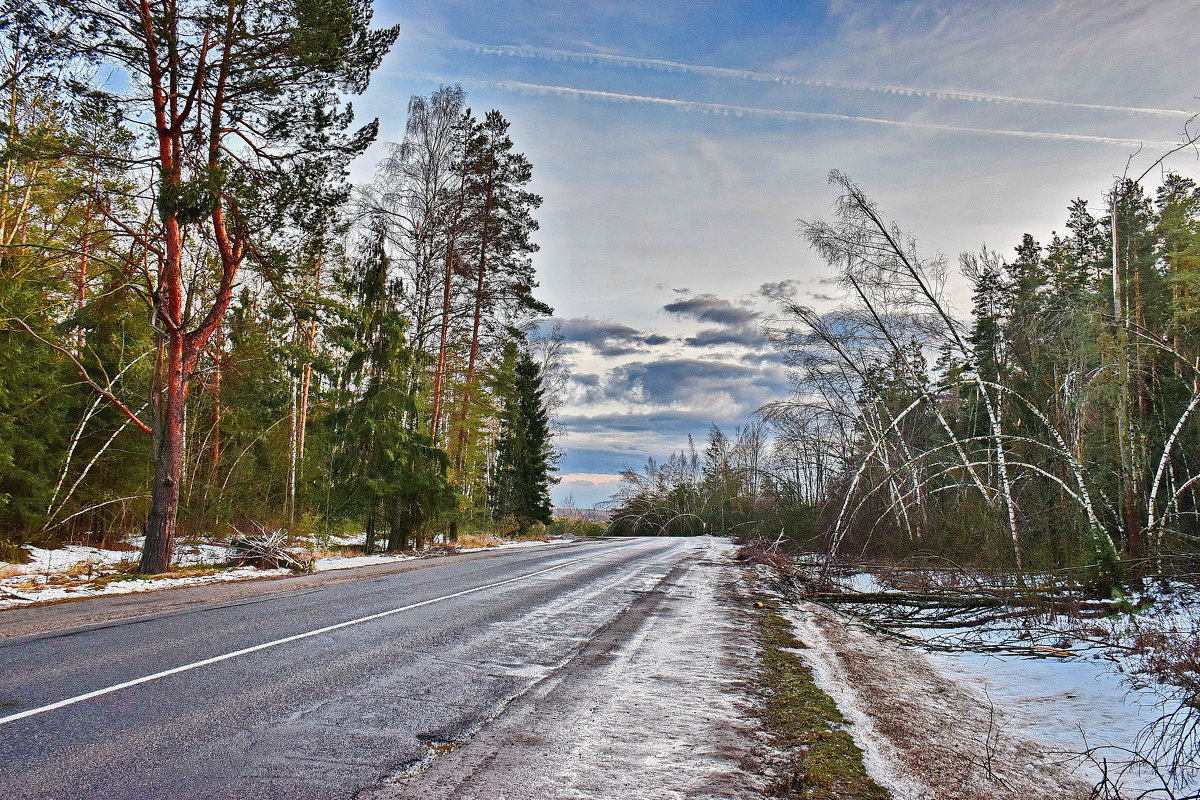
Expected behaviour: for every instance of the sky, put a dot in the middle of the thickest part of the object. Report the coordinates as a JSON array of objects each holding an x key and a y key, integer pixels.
[{"x": 677, "y": 143}]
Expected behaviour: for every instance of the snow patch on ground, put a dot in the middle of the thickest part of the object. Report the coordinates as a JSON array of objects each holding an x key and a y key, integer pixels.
[
  {"x": 10, "y": 598},
  {"x": 349, "y": 562},
  {"x": 76, "y": 571},
  {"x": 1075, "y": 704}
]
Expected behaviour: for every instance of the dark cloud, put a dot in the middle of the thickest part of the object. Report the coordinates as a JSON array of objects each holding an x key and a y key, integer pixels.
[
  {"x": 748, "y": 335},
  {"x": 710, "y": 308},
  {"x": 597, "y": 460},
  {"x": 736, "y": 324},
  {"x": 686, "y": 382},
  {"x": 586, "y": 378},
  {"x": 820, "y": 296},
  {"x": 662, "y": 424},
  {"x": 608, "y": 338},
  {"x": 775, "y": 357}
]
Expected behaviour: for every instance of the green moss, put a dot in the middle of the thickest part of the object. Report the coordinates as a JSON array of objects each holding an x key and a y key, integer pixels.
[{"x": 823, "y": 763}]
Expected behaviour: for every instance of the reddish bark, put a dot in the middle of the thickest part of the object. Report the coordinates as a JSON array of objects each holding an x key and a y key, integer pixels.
[
  {"x": 460, "y": 454},
  {"x": 181, "y": 348},
  {"x": 439, "y": 381},
  {"x": 216, "y": 408}
]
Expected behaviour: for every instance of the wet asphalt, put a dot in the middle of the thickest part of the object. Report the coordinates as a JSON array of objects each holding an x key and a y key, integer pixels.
[{"x": 327, "y": 716}]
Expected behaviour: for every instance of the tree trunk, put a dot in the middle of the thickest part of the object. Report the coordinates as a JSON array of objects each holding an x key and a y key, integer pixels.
[
  {"x": 439, "y": 387},
  {"x": 398, "y": 536},
  {"x": 440, "y": 377},
  {"x": 168, "y": 463},
  {"x": 369, "y": 541},
  {"x": 216, "y": 410},
  {"x": 1129, "y": 512},
  {"x": 460, "y": 454}
]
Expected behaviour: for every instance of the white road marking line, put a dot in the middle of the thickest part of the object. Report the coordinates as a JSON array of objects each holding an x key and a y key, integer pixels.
[{"x": 215, "y": 659}]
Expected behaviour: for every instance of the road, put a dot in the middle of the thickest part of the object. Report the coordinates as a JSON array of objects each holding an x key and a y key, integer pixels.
[{"x": 353, "y": 687}]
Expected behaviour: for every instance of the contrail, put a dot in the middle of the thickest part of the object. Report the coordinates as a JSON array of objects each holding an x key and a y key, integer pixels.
[
  {"x": 662, "y": 65},
  {"x": 725, "y": 110}
]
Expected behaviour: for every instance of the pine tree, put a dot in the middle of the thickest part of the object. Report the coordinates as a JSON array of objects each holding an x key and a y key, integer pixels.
[
  {"x": 524, "y": 458},
  {"x": 250, "y": 135},
  {"x": 501, "y": 215}
]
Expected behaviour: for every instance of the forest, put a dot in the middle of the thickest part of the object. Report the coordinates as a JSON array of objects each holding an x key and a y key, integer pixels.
[
  {"x": 207, "y": 329},
  {"x": 1055, "y": 427}
]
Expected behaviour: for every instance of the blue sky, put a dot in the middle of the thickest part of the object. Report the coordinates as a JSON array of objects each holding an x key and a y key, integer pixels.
[{"x": 677, "y": 143}]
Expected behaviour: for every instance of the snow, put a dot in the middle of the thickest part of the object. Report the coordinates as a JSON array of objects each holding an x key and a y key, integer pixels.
[
  {"x": 1093, "y": 700},
  {"x": 1073, "y": 703},
  {"x": 129, "y": 586},
  {"x": 349, "y": 562},
  {"x": 928, "y": 734},
  {"x": 76, "y": 571},
  {"x": 659, "y": 711}
]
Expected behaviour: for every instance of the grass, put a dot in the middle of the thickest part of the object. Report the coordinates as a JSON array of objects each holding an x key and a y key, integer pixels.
[
  {"x": 194, "y": 571},
  {"x": 13, "y": 553},
  {"x": 822, "y": 761}
]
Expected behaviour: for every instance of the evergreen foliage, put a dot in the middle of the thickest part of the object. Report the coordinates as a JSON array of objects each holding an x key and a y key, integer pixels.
[
  {"x": 292, "y": 382},
  {"x": 1056, "y": 430},
  {"x": 520, "y": 487}
]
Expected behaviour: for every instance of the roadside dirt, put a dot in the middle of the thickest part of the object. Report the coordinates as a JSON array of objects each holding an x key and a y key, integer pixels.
[{"x": 926, "y": 737}]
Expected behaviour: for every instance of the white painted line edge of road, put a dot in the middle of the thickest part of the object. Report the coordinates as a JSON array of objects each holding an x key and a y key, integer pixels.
[{"x": 246, "y": 650}]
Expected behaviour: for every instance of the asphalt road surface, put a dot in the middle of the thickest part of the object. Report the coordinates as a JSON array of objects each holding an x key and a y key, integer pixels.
[{"x": 328, "y": 690}]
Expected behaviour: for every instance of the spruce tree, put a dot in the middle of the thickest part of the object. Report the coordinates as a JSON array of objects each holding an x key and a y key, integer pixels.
[{"x": 521, "y": 480}]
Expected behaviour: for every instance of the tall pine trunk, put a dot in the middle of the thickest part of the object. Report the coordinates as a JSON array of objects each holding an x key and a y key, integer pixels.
[
  {"x": 460, "y": 454},
  {"x": 168, "y": 461}
]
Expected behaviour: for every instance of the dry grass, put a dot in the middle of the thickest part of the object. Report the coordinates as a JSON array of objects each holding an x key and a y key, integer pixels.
[
  {"x": 197, "y": 571},
  {"x": 13, "y": 570},
  {"x": 470, "y": 540},
  {"x": 466, "y": 540}
]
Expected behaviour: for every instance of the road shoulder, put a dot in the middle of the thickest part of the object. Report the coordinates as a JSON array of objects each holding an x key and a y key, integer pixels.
[
  {"x": 92, "y": 612},
  {"x": 656, "y": 705}
]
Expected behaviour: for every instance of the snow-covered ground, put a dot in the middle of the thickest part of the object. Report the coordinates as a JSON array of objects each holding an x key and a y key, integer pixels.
[
  {"x": 76, "y": 571},
  {"x": 966, "y": 724},
  {"x": 927, "y": 733}
]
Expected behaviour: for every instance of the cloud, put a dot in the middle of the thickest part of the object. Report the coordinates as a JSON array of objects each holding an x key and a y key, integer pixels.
[
  {"x": 710, "y": 308},
  {"x": 669, "y": 424},
  {"x": 747, "y": 335},
  {"x": 586, "y": 378},
  {"x": 729, "y": 110},
  {"x": 607, "y": 460},
  {"x": 664, "y": 65},
  {"x": 779, "y": 290},
  {"x": 718, "y": 389},
  {"x": 608, "y": 338},
  {"x": 776, "y": 357},
  {"x": 589, "y": 479},
  {"x": 738, "y": 324}
]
